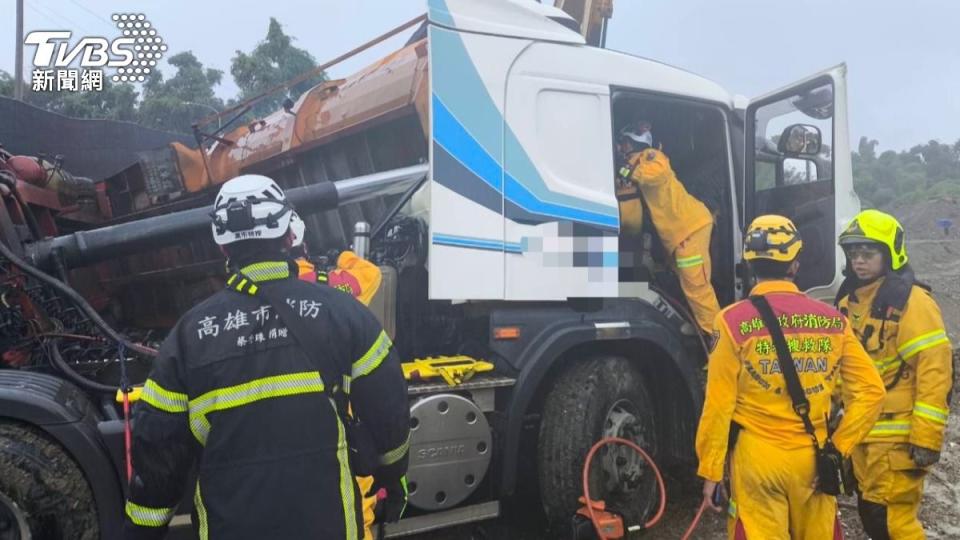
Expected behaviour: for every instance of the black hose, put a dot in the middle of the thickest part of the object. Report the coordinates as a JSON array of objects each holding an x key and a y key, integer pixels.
[
  {"x": 80, "y": 301},
  {"x": 74, "y": 377},
  {"x": 395, "y": 209}
]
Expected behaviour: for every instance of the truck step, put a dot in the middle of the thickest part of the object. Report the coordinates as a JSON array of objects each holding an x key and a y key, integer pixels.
[{"x": 479, "y": 382}]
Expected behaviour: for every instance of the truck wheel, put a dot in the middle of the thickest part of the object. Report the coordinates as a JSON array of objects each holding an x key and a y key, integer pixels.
[
  {"x": 600, "y": 397},
  {"x": 43, "y": 493}
]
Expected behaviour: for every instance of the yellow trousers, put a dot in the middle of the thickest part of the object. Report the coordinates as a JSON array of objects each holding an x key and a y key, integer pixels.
[
  {"x": 772, "y": 495},
  {"x": 364, "y": 483},
  {"x": 891, "y": 486},
  {"x": 692, "y": 264}
]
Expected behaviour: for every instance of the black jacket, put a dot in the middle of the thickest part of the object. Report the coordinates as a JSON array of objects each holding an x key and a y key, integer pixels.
[{"x": 233, "y": 394}]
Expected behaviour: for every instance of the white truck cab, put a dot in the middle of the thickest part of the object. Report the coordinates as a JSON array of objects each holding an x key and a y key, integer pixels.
[
  {"x": 525, "y": 234},
  {"x": 523, "y": 118}
]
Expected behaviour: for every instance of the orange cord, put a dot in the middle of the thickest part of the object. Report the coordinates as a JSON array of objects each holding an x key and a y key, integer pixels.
[
  {"x": 586, "y": 483},
  {"x": 695, "y": 522},
  {"x": 663, "y": 491}
]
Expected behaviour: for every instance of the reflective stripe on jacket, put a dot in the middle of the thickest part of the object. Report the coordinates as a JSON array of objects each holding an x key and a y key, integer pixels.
[{"x": 911, "y": 351}]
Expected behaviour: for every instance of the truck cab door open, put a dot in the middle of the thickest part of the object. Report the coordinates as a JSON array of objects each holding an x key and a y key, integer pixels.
[{"x": 797, "y": 164}]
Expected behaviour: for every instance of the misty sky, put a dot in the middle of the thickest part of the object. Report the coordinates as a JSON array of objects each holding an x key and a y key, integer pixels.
[{"x": 903, "y": 58}]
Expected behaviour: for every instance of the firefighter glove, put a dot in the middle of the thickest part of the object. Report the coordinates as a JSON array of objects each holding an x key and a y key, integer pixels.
[{"x": 923, "y": 457}]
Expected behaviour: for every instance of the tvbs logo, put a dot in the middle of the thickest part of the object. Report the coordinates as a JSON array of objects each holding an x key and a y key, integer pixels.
[{"x": 133, "y": 54}]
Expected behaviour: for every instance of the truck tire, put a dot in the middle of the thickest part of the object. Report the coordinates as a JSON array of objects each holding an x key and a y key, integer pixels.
[
  {"x": 592, "y": 399},
  {"x": 43, "y": 488}
]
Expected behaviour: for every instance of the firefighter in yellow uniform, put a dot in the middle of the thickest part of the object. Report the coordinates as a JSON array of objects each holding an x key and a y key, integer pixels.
[
  {"x": 772, "y": 461},
  {"x": 900, "y": 325},
  {"x": 683, "y": 223},
  {"x": 360, "y": 278}
]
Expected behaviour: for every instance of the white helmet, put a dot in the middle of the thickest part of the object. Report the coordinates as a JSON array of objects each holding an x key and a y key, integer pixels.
[
  {"x": 639, "y": 132},
  {"x": 250, "y": 207},
  {"x": 297, "y": 229}
]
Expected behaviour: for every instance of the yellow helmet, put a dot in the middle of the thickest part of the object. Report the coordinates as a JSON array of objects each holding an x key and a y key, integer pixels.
[
  {"x": 772, "y": 237},
  {"x": 876, "y": 227}
]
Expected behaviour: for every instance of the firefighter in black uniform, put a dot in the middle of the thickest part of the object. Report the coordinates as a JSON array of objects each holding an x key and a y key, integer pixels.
[{"x": 234, "y": 394}]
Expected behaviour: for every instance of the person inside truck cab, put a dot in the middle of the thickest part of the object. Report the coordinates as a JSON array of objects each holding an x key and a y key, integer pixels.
[
  {"x": 683, "y": 223},
  {"x": 632, "y": 139}
]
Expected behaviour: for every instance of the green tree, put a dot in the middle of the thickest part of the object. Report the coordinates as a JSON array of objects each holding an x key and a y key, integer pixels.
[
  {"x": 867, "y": 149},
  {"x": 923, "y": 172},
  {"x": 6, "y": 83},
  {"x": 176, "y": 103},
  {"x": 940, "y": 160},
  {"x": 273, "y": 61},
  {"x": 113, "y": 102}
]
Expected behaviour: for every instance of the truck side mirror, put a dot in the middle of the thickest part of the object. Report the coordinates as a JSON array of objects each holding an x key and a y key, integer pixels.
[{"x": 800, "y": 140}]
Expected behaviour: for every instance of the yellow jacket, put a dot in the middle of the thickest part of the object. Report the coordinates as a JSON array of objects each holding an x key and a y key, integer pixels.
[
  {"x": 354, "y": 275},
  {"x": 675, "y": 213},
  {"x": 745, "y": 385},
  {"x": 915, "y": 409}
]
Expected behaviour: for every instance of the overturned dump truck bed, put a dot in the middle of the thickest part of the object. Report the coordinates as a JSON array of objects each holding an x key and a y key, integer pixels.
[{"x": 370, "y": 122}]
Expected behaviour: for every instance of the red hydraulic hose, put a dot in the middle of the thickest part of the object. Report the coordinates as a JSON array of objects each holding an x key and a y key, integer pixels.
[
  {"x": 695, "y": 522},
  {"x": 127, "y": 442},
  {"x": 127, "y": 432},
  {"x": 660, "y": 484},
  {"x": 586, "y": 483}
]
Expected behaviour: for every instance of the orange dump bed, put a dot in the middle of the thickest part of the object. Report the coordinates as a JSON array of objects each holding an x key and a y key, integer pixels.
[{"x": 394, "y": 86}]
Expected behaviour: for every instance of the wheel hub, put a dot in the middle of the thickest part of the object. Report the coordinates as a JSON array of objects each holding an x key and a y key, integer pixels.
[
  {"x": 623, "y": 468},
  {"x": 13, "y": 521}
]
